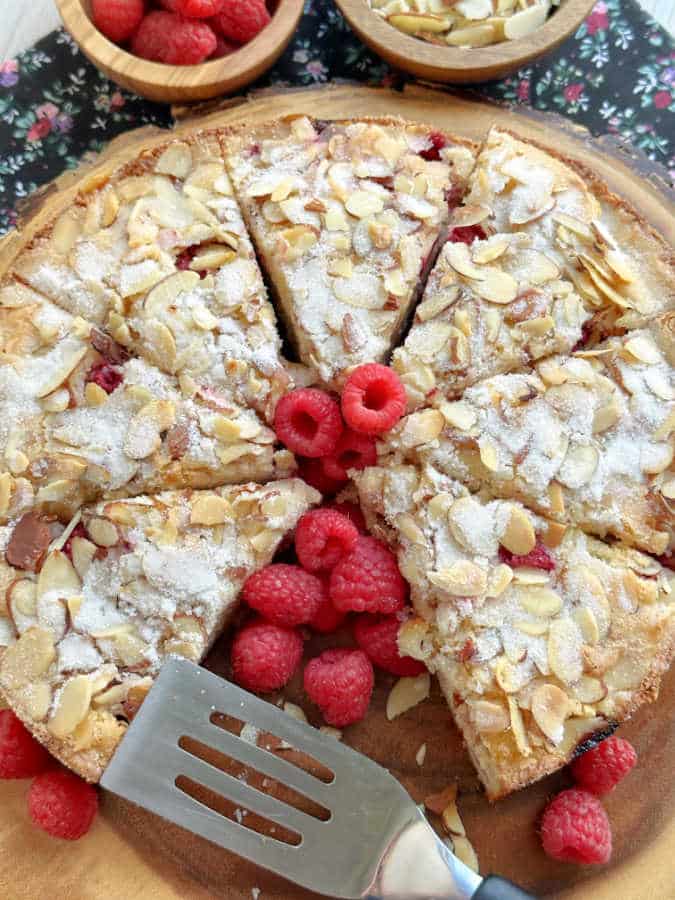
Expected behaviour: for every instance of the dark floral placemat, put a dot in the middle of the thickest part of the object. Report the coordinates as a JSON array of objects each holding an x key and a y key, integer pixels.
[{"x": 616, "y": 75}]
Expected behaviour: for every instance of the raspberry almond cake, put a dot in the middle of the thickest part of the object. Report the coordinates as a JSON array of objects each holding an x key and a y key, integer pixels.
[
  {"x": 540, "y": 635},
  {"x": 141, "y": 372},
  {"x": 97, "y": 606},
  {"x": 537, "y": 262},
  {"x": 345, "y": 216},
  {"x": 585, "y": 439}
]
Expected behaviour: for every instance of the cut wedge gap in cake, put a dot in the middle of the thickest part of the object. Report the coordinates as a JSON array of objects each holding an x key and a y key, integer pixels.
[
  {"x": 344, "y": 216},
  {"x": 542, "y": 637},
  {"x": 94, "y": 610}
]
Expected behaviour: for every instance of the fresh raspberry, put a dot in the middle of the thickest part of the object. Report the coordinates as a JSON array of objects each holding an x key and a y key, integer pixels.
[
  {"x": 377, "y": 636},
  {"x": 373, "y": 399},
  {"x": 327, "y": 619},
  {"x": 340, "y": 682},
  {"x": 264, "y": 656},
  {"x": 312, "y": 471},
  {"x": 117, "y": 19},
  {"x": 352, "y": 511},
  {"x": 284, "y": 594},
  {"x": 105, "y": 376},
  {"x": 538, "y": 558},
  {"x": 352, "y": 451},
  {"x": 600, "y": 770},
  {"x": 368, "y": 580},
  {"x": 20, "y": 754},
  {"x": 466, "y": 234},
  {"x": 586, "y": 334},
  {"x": 575, "y": 828},
  {"x": 62, "y": 804},
  {"x": 166, "y": 37},
  {"x": 322, "y": 538},
  {"x": 194, "y": 9},
  {"x": 308, "y": 422},
  {"x": 223, "y": 48},
  {"x": 437, "y": 141},
  {"x": 242, "y": 20}
]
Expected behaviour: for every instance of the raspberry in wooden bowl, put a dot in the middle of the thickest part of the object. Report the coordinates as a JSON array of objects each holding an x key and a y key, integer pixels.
[
  {"x": 204, "y": 56},
  {"x": 463, "y": 41}
]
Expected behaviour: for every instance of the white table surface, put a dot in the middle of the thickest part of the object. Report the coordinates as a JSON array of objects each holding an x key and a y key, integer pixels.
[{"x": 25, "y": 21}]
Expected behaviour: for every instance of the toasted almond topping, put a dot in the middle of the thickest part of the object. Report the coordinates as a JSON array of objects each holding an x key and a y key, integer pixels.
[
  {"x": 642, "y": 349},
  {"x": 500, "y": 578},
  {"x": 462, "y": 579},
  {"x": 72, "y": 706},
  {"x": 28, "y": 544},
  {"x": 518, "y": 537},
  {"x": 588, "y": 624},
  {"x": 58, "y": 578},
  {"x": 103, "y": 532},
  {"x": 517, "y": 727},
  {"x": 579, "y": 465},
  {"x": 407, "y": 693},
  {"x": 459, "y": 257},
  {"x": 541, "y": 602},
  {"x": 564, "y": 650},
  {"x": 176, "y": 160},
  {"x": 209, "y": 509},
  {"x": 550, "y": 707},
  {"x": 488, "y": 716}
]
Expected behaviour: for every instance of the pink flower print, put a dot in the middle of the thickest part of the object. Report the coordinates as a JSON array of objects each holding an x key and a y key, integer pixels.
[
  {"x": 39, "y": 130},
  {"x": 47, "y": 111},
  {"x": 9, "y": 73},
  {"x": 63, "y": 122},
  {"x": 524, "y": 90},
  {"x": 117, "y": 101},
  {"x": 662, "y": 99},
  {"x": 598, "y": 20},
  {"x": 573, "y": 92},
  {"x": 316, "y": 69}
]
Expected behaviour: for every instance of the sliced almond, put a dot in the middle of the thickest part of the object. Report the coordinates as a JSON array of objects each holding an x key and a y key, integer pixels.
[
  {"x": 579, "y": 465},
  {"x": 642, "y": 349},
  {"x": 29, "y": 658},
  {"x": 656, "y": 458},
  {"x": 488, "y": 716},
  {"x": 500, "y": 578},
  {"x": 72, "y": 706},
  {"x": 464, "y": 851},
  {"x": 518, "y": 537},
  {"x": 526, "y": 21},
  {"x": 606, "y": 417},
  {"x": 496, "y": 286},
  {"x": 362, "y": 204},
  {"x": 102, "y": 532},
  {"x": 58, "y": 578},
  {"x": 422, "y": 427},
  {"x": 541, "y": 602},
  {"x": 564, "y": 650},
  {"x": 550, "y": 707},
  {"x": 459, "y": 257},
  {"x": 407, "y": 693},
  {"x": 588, "y": 624},
  {"x": 412, "y": 23},
  {"x": 589, "y": 690},
  {"x": 462, "y": 579},
  {"x": 488, "y": 454},
  {"x": 209, "y": 509},
  {"x": 518, "y": 727},
  {"x": 36, "y": 699},
  {"x": 475, "y": 36},
  {"x": 459, "y": 414}
]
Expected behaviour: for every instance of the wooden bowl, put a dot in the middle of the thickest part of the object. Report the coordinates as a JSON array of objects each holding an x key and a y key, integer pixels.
[
  {"x": 452, "y": 64},
  {"x": 172, "y": 84}
]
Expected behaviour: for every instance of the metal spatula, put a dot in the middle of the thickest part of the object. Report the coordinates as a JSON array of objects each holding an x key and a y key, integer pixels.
[{"x": 374, "y": 842}]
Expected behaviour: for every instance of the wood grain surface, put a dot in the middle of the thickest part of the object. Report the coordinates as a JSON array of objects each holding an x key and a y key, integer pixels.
[{"x": 130, "y": 854}]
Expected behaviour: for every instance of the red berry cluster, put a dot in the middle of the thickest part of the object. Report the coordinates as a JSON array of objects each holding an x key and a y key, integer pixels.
[
  {"x": 339, "y": 571},
  {"x": 330, "y": 437},
  {"x": 574, "y": 826},
  {"x": 59, "y": 802},
  {"x": 180, "y": 32}
]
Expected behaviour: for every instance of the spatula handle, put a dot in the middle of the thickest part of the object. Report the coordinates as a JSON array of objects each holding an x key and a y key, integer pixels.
[{"x": 496, "y": 888}]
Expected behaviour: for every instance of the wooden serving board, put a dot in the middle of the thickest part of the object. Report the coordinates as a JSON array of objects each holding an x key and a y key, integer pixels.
[{"x": 130, "y": 854}]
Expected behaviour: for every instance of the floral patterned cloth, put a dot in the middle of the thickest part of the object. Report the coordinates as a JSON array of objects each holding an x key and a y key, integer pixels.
[{"x": 616, "y": 75}]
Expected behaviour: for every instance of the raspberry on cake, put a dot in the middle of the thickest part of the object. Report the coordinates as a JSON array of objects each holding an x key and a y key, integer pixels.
[
  {"x": 154, "y": 577},
  {"x": 585, "y": 439},
  {"x": 560, "y": 261},
  {"x": 344, "y": 215},
  {"x": 532, "y": 662}
]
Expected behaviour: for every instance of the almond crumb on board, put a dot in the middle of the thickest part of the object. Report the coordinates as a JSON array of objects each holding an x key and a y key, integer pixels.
[
  {"x": 406, "y": 694},
  {"x": 421, "y": 755}
]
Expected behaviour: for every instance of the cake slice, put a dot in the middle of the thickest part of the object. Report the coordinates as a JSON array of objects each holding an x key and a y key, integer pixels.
[
  {"x": 541, "y": 260},
  {"x": 157, "y": 255},
  {"x": 587, "y": 439},
  {"x": 344, "y": 216},
  {"x": 92, "y": 611},
  {"x": 80, "y": 419},
  {"x": 542, "y": 637}
]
